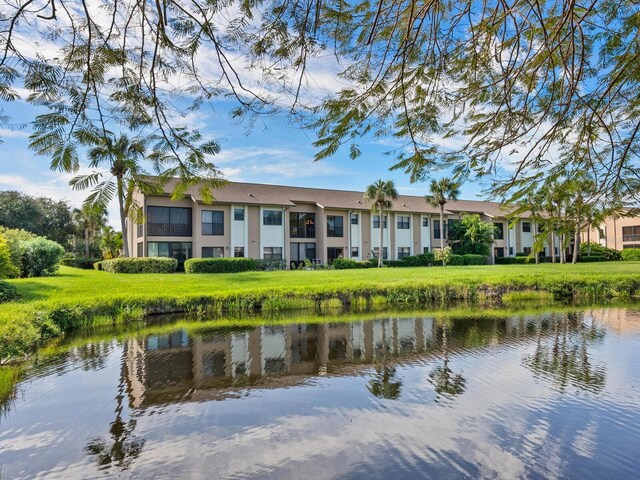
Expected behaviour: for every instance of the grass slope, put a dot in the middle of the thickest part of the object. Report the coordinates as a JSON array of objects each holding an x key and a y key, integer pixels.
[{"x": 53, "y": 305}]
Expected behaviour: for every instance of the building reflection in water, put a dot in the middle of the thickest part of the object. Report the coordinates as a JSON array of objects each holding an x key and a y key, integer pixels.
[{"x": 222, "y": 363}]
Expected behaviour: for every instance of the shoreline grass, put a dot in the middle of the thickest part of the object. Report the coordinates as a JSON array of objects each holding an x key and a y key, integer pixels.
[{"x": 52, "y": 306}]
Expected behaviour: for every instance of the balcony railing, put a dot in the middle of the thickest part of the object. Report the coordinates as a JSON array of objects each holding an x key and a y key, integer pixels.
[
  {"x": 631, "y": 238},
  {"x": 168, "y": 230}
]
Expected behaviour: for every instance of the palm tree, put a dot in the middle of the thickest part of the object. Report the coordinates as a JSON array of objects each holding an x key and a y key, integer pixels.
[
  {"x": 441, "y": 192},
  {"x": 110, "y": 242},
  {"x": 380, "y": 193},
  {"x": 122, "y": 158},
  {"x": 89, "y": 219}
]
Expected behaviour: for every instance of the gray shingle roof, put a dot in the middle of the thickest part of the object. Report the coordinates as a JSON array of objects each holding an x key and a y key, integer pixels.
[{"x": 280, "y": 195}]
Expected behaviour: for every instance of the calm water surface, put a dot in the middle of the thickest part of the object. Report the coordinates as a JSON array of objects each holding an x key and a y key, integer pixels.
[{"x": 544, "y": 396}]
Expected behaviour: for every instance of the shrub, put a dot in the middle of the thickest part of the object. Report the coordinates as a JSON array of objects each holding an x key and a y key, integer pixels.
[
  {"x": 456, "y": 260},
  {"x": 421, "y": 260},
  {"x": 346, "y": 264},
  {"x": 97, "y": 266},
  {"x": 271, "y": 265},
  {"x": 514, "y": 260},
  {"x": 443, "y": 255},
  {"x": 394, "y": 263},
  {"x": 471, "y": 259},
  {"x": 631, "y": 254},
  {"x": 14, "y": 238},
  {"x": 39, "y": 257},
  {"x": 219, "y": 265},
  {"x": 7, "y": 292},
  {"x": 79, "y": 262},
  {"x": 593, "y": 258},
  {"x": 140, "y": 265},
  {"x": 598, "y": 250},
  {"x": 7, "y": 268}
]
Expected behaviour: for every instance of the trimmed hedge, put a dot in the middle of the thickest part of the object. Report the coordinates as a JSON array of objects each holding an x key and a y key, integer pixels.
[
  {"x": 456, "y": 260},
  {"x": 346, "y": 264},
  {"x": 268, "y": 265},
  {"x": 7, "y": 292},
  {"x": 79, "y": 262},
  {"x": 220, "y": 265},
  {"x": 631, "y": 254},
  {"x": 598, "y": 250},
  {"x": 593, "y": 258},
  {"x": 473, "y": 259},
  {"x": 140, "y": 265},
  {"x": 98, "y": 265}
]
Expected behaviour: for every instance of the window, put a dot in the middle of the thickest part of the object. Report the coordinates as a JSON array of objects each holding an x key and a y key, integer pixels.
[
  {"x": 499, "y": 251},
  {"x": 302, "y": 225},
  {"x": 140, "y": 249},
  {"x": 334, "y": 226},
  {"x": 272, "y": 253},
  {"x": 212, "y": 222},
  {"x": 526, "y": 250},
  {"x": 425, "y": 221},
  {"x": 631, "y": 234},
  {"x": 354, "y": 252},
  {"x": 140, "y": 230},
  {"x": 333, "y": 253},
  {"x": 403, "y": 252},
  {"x": 212, "y": 252},
  {"x": 403, "y": 222},
  {"x": 238, "y": 252},
  {"x": 376, "y": 221},
  {"x": 354, "y": 219},
  {"x": 300, "y": 251},
  {"x": 625, "y": 247},
  {"x": 526, "y": 227},
  {"x": 499, "y": 231},
  {"x": 377, "y": 249},
  {"x": 181, "y": 251},
  {"x": 238, "y": 214},
  {"x": 168, "y": 222},
  {"x": 272, "y": 217},
  {"x": 511, "y": 251},
  {"x": 436, "y": 230},
  {"x": 425, "y": 249}
]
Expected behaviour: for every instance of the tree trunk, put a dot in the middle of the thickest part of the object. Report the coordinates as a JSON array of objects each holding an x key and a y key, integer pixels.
[
  {"x": 562, "y": 250},
  {"x": 589, "y": 239},
  {"x": 444, "y": 263},
  {"x": 86, "y": 241},
  {"x": 553, "y": 246},
  {"x": 123, "y": 222},
  {"x": 576, "y": 244},
  {"x": 380, "y": 245}
]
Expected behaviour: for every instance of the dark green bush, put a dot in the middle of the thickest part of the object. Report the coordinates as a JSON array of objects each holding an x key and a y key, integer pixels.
[
  {"x": 395, "y": 263},
  {"x": 456, "y": 260},
  {"x": 472, "y": 259},
  {"x": 514, "y": 260},
  {"x": 346, "y": 264},
  {"x": 593, "y": 258},
  {"x": 631, "y": 254},
  {"x": 39, "y": 257},
  {"x": 140, "y": 265},
  {"x": 269, "y": 265},
  {"x": 219, "y": 265},
  {"x": 7, "y": 292},
  {"x": 79, "y": 262},
  {"x": 598, "y": 250}
]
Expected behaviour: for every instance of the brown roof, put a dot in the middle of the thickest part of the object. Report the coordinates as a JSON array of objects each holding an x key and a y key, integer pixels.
[{"x": 264, "y": 194}]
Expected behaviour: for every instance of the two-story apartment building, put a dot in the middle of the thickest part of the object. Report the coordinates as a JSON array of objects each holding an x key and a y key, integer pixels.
[{"x": 294, "y": 223}]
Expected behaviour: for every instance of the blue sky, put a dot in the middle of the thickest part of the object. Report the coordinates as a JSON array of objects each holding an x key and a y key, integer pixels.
[{"x": 274, "y": 151}]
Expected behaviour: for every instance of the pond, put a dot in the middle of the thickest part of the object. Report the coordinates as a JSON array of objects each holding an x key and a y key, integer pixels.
[{"x": 552, "y": 395}]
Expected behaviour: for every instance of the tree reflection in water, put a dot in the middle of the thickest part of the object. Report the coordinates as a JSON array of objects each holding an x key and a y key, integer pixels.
[
  {"x": 446, "y": 383},
  {"x": 566, "y": 359},
  {"x": 384, "y": 384},
  {"x": 123, "y": 447}
]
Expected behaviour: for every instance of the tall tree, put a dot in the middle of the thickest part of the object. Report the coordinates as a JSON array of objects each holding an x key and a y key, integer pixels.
[
  {"x": 550, "y": 79},
  {"x": 440, "y": 193},
  {"x": 40, "y": 215},
  {"x": 122, "y": 158},
  {"x": 380, "y": 194}
]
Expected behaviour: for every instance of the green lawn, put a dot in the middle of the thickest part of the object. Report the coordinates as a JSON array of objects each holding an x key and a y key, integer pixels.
[{"x": 62, "y": 302}]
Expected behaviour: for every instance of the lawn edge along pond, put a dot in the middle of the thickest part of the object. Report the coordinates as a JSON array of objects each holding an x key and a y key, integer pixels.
[{"x": 50, "y": 307}]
